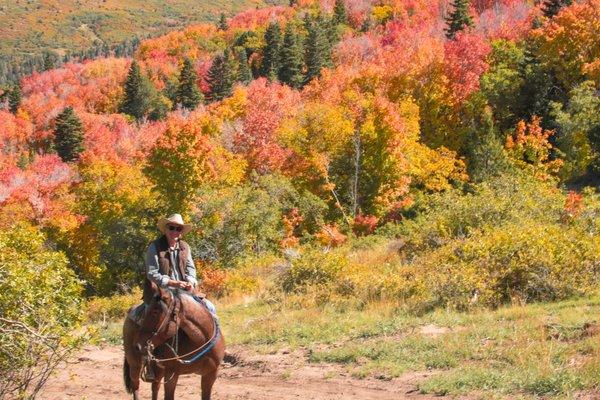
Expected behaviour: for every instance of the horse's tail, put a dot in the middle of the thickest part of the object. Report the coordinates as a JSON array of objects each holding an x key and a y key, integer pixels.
[{"x": 127, "y": 377}]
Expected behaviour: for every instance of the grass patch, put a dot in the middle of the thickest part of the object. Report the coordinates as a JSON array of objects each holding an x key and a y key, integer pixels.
[{"x": 548, "y": 349}]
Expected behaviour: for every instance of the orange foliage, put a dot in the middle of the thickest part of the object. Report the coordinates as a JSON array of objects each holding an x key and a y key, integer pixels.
[
  {"x": 573, "y": 206},
  {"x": 290, "y": 223},
  {"x": 569, "y": 42},
  {"x": 530, "y": 148},
  {"x": 330, "y": 236}
]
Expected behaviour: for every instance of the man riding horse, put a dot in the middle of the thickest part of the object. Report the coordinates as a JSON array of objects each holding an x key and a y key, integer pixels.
[
  {"x": 169, "y": 262},
  {"x": 174, "y": 332}
]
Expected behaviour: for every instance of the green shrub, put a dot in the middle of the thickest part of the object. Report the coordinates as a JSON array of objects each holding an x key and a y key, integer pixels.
[
  {"x": 313, "y": 268},
  {"x": 40, "y": 306},
  {"x": 506, "y": 240},
  {"x": 248, "y": 219},
  {"x": 114, "y": 307}
]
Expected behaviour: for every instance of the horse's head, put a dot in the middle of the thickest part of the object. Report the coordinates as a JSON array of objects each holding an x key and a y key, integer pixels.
[{"x": 161, "y": 320}]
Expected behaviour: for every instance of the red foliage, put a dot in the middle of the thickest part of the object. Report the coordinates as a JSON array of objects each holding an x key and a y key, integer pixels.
[
  {"x": 364, "y": 224},
  {"x": 39, "y": 192},
  {"x": 267, "y": 105},
  {"x": 465, "y": 62},
  {"x": 508, "y": 19},
  {"x": 252, "y": 19},
  {"x": 113, "y": 137}
]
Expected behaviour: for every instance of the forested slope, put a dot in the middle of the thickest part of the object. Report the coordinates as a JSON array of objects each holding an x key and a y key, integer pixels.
[{"x": 328, "y": 154}]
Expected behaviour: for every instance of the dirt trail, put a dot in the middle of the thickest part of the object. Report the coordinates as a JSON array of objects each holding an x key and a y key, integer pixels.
[{"x": 96, "y": 374}]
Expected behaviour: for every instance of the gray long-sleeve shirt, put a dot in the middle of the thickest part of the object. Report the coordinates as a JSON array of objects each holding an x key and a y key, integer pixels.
[{"x": 153, "y": 271}]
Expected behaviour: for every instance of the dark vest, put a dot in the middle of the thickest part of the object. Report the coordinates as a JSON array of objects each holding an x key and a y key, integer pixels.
[{"x": 164, "y": 263}]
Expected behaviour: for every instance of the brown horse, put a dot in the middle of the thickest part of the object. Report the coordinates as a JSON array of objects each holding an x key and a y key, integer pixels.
[{"x": 180, "y": 336}]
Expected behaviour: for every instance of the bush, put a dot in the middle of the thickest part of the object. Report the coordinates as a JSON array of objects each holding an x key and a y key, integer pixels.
[
  {"x": 514, "y": 263},
  {"x": 507, "y": 240},
  {"x": 249, "y": 219},
  {"x": 100, "y": 309},
  {"x": 40, "y": 305},
  {"x": 313, "y": 268}
]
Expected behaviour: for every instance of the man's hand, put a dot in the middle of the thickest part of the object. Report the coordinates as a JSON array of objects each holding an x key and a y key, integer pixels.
[{"x": 181, "y": 285}]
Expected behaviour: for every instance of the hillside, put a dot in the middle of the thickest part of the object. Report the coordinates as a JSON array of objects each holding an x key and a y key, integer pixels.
[
  {"x": 31, "y": 26},
  {"x": 357, "y": 166}
]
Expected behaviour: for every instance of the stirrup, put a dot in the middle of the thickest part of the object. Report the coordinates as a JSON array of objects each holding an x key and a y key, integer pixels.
[{"x": 148, "y": 374}]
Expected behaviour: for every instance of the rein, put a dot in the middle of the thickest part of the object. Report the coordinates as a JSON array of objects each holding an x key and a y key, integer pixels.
[{"x": 202, "y": 350}]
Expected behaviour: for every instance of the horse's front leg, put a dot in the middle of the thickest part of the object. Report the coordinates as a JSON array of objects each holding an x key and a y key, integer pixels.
[
  {"x": 170, "y": 385},
  {"x": 207, "y": 383},
  {"x": 131, "y": 375},
  {"x": 156, "y": 383}
]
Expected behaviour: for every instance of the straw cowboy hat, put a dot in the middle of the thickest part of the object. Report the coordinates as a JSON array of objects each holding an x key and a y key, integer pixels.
[{"x": 174, "y": 219}]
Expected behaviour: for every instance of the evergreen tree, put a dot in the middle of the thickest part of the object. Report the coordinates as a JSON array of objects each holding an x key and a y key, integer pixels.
[
  {"x": 292, "y": 59},
  {"x": 68, "y": 135},
  {"x": 244, "y": 73},
  {"x": 318, "y": 50},
  {"x": 14, "y": 98},
  {"x": 366, "y": 25},
  {"x": 221, "y": 76},
  {"x": 552, "y": 7},
  {"x": 188, "y": 94},
  {"x": 339, "y": 12},
  {"x": 485, "y": 153},
  {"x": 50, "y": 61},
  {"x": 459, "y": 19},
  {"x": 270, "y": 62},
  {"x": 539, "y": 87},
  {"x": 223, "y": 26},
  {"x": 139, "y": 93}
]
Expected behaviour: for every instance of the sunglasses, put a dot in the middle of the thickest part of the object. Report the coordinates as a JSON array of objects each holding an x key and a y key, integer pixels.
[{"x": 175, "y": 228}]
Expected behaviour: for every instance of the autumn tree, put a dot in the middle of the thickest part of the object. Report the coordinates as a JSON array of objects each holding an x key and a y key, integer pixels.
[
  {"x": 120, "y": 206},
  {"x": 271, "y": 50},
  {"x": 459, "y": 18},
  {"x": 139, "y": 93},
  {"x": 183, "y": 158},
  {"x": 221, "y": 76},
  {"x": 292, "y": 59},
  {"x": 188, "y": 94},
  {"x": 68, "y": 135}
]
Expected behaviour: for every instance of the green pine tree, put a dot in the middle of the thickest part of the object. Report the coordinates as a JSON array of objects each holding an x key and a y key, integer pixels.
[
  {"x": 366, "y": 25},
  {"x": 221, "y": 76},
  {"x": 223, "y": 26},
  {"x": 14, "y": 98},
  {"x": 292, "y": 59},
  {"x": 68, "y": 135},
  {"x": 459, "y": 19},
  {"x": 485, "y": 154},
  {"x": 552, "y": 7},
  {"x": 270, "y": 62},
  {"x": 318, "y": 50},
  {"x": 339, "y": 12},
  {"x": 188, "y": 94},
  {"x": 139, "y": 93},
  {"x": 244, "y": 73}
]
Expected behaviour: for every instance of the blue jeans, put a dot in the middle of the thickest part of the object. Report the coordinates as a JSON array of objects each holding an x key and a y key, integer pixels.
[{"x": 211, "y": 307}]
